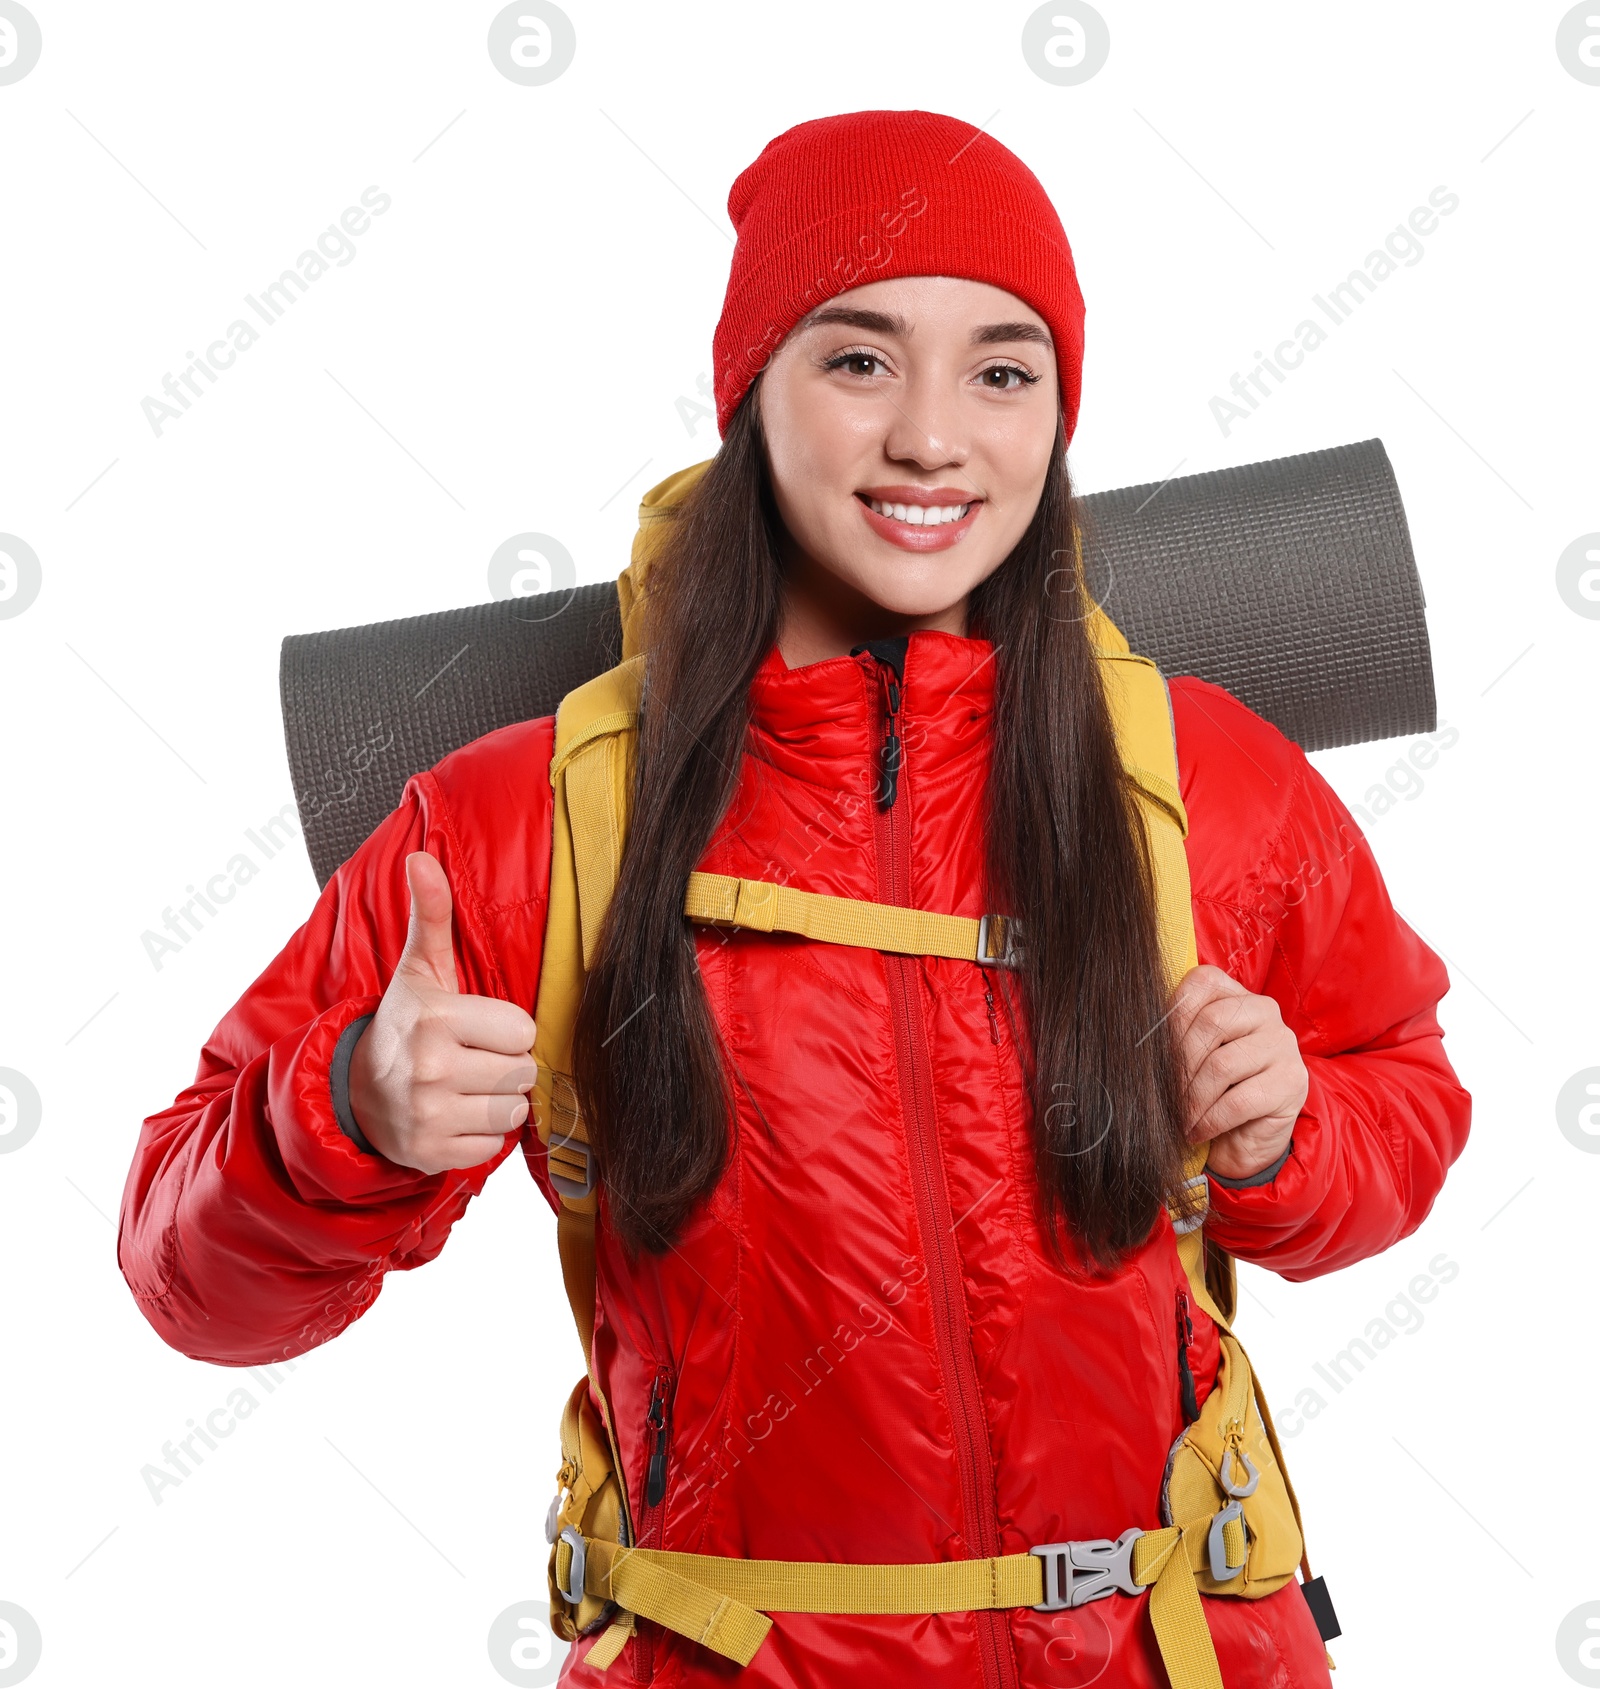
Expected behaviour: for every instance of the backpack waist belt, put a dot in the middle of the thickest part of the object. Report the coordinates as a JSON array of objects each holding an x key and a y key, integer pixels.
[{"x": 717, "y": 1601}]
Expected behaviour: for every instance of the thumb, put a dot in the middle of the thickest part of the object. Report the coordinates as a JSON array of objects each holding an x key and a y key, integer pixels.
[{"x": 428, "y": 955}]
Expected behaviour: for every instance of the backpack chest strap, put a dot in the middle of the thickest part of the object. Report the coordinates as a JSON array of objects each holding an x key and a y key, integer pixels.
[{"x": 765, "y": 906}]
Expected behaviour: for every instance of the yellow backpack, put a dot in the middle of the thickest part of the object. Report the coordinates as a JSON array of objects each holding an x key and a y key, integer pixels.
[{"x": 1231, "y": 1521}]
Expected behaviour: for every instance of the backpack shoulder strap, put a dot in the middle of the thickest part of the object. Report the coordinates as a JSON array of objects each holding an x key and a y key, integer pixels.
[
  {"x": 1141, "y": 709},
  {"x": 590, "y": 777}
]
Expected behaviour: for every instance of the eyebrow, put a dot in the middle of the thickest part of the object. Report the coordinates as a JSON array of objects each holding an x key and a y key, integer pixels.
[
  {"x": 991, "y": 332},
  {"x": 891, "y": 322}
]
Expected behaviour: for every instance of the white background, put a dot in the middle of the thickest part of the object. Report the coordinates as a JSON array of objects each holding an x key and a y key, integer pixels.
[{"x": 506, "y": 352}]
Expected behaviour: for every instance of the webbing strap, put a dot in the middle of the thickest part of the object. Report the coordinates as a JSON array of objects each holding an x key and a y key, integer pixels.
[
  {"x": 827, "y": 1586},
  {"x": 591, "y": 803},
  {"x": 1166, "y": 1560},
  {"x": 765, "y": 906},
  {"x": 723, "y": 1602}
]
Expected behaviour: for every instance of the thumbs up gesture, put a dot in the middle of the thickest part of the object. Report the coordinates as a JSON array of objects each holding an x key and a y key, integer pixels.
[{"x": 439, "y": 1077}]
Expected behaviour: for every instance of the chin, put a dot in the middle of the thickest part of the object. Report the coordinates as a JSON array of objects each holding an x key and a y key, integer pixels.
[{"x": 913, "y": 606}]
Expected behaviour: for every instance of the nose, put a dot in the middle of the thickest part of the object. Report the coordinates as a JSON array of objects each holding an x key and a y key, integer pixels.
[{"x": 927, "y": 428}]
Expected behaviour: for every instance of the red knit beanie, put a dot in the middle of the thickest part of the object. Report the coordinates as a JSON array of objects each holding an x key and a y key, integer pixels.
[{"x": 842, "y": 201}]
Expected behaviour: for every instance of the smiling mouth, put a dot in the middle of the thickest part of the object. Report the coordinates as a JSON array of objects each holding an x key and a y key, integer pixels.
[{"x": 919, "y": 515}]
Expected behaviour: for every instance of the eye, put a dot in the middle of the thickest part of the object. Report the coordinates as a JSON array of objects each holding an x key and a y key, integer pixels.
[
  {"x": 857, "y": 361},
  {"x": 1004, "y": 372}
]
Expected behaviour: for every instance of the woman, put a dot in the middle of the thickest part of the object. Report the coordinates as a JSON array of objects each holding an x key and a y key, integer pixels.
[{"x": 886, "y": 1254}]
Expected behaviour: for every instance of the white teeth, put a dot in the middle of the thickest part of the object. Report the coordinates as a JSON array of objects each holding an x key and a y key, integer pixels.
[{"x": 920, "y": 515}]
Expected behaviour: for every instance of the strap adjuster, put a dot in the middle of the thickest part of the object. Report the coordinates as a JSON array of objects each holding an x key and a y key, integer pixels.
[
  {"x": 1008, "y": 930},
  {"x": 1217, "y": 1544},
  {"x": 572, "y": 1590},
  {"x": 1076, "y": 1572},
  {"x": 572, "y": 1149},
  {"x": 1188, "y": 1222}
]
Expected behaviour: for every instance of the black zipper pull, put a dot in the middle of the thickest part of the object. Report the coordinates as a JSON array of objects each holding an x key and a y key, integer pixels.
[
  {"x": 994, "y": 1025},
  {"x": 890, "y": 654},
  {"x": 655, "y": 1485},
  {"x": 889, "y": 751},
  {"x": 1186, "y": 1390}
]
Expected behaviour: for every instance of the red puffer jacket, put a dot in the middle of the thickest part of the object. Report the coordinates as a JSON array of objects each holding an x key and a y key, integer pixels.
[{"x": 859, "y": 1349}]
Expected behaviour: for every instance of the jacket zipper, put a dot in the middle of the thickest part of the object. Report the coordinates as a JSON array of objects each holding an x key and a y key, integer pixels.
[
  {"x": 657, "y": 1432},
  {"x": 988, "y": 1003},
  {"x": 1186, "y": 1390},
  {"x": 934, "y": 1215}
]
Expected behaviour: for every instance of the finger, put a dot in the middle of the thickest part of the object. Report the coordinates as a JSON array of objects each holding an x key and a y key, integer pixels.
[
  {"x": 467, "y": 1150},
  {"x": 1223, "y": 1069},
  {"x": 1223, "y": 1020},
  {"x": 485, "y": 1073},
  {"x": 1238, "y": 1105},
  {"x": 429, "y": 953},
  {"x": 1197, "y": 990},
  {"x": 488, "y": 1023},
  {"x": 496, "y": 1112}
]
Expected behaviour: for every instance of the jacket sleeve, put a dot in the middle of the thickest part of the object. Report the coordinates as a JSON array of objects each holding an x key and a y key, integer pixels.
[
  {"x": 1384, "y": 1115},
  {"x": 252, "y": 1227}
]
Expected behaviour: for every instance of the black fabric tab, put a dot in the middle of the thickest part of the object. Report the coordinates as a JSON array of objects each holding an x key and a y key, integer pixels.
[
  {"x": 339, "y": 1082},
  {"x": 1316, "y": 1594},
  {"x": 890, "y": 650}
]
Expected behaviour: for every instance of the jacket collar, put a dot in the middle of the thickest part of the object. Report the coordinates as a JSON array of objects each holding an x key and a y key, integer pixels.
[{"x": 823, "y": 722}]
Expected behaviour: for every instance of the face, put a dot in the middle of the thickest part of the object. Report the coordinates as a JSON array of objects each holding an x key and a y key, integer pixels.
[{"x": 909, "y": 426}]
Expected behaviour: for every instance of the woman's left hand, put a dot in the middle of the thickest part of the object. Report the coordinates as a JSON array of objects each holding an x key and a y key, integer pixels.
[{"x": 1247, "y": 1083}]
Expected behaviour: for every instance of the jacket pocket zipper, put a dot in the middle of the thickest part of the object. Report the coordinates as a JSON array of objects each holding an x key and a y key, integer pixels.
[
  {"x": 1186, "y": 1390},
  {"x": 994, "y": 1023},
  {"x": 657, "y": 1436}
]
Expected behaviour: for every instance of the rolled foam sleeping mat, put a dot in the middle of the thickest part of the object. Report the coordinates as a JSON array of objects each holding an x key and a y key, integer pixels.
[{"x": 1290, "y": 583}]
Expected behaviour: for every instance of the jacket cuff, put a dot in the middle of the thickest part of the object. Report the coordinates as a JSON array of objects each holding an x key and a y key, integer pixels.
[
  {"x": 1264, "y": 1177},
  {"x": 323, "y": 1160},
  {"x": 339, "y": 1082},
  {"x": 1277, "y": 1202}
]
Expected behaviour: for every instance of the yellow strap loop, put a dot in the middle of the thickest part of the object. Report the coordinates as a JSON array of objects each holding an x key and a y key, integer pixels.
[
  {"x": 612, "y": 1641},
  {"x": 642, "y": 1582}
]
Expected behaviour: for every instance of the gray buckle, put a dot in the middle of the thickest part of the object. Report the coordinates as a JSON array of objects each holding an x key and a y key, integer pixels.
[
  {"x": 572, "y": 1590},
  {"x": 1221, "y": 1570},
  {"x": 572, "y": 1145},
  {"x": 1076, "y": 1572},
  {"x": 1009, "y": 931}
]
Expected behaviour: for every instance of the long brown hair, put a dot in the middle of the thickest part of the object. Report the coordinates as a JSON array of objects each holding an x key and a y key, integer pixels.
[{"x": 1066, "y": 852}]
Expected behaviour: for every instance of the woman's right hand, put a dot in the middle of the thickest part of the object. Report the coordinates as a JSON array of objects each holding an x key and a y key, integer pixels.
[{"x": 439, "y": 1077}]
